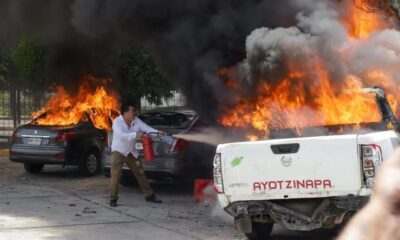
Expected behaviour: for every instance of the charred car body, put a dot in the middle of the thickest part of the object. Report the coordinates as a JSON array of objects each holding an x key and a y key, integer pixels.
[
  {"x": 314, "y": 181},
  {"x": 81, "y": 144},
  {"x": 175, "y": 158}
]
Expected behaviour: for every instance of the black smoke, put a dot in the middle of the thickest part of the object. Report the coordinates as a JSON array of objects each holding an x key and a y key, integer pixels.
[{"x": 191, "y": 39}]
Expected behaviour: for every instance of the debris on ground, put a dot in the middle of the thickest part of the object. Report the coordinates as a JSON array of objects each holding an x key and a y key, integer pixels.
[{"x": 88, "y": 210}]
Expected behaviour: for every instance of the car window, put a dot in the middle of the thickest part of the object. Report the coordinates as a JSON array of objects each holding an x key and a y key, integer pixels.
[
  {"x": 167, "y": 120},
  {"x": 199, "y": 125}
]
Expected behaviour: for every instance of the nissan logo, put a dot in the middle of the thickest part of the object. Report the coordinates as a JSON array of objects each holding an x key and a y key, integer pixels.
[{"x": 286, "y": 161}]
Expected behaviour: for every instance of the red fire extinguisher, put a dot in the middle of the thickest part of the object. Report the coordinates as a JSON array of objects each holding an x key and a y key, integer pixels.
[{"x": 148, "y": 148}]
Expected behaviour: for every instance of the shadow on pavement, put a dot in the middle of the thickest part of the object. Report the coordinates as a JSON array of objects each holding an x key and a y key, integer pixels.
[{"x": 60, "y": 172}]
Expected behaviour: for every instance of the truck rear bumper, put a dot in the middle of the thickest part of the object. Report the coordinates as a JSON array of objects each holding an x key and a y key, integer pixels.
[{"x": 328, "y": 209}]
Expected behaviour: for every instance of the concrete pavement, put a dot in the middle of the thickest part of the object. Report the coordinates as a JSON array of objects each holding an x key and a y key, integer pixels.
[
  {"x": 59, "y": 203},
  {"x": 44, "y": 213}
]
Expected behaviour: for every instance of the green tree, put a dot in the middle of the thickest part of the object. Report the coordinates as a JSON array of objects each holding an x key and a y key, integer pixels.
[
  {"x": 139, "y": 75},
  {"x": 7, "y": 67},
  {"x": 3, "y": 70},
  {"x": 33, "y": 61}
]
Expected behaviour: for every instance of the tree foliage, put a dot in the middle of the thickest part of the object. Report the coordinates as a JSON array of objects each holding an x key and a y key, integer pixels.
[
  {"x": 4, "y": 66},
  {"x": 33, "y": 61},
  {"x": 138, "y": 75}
]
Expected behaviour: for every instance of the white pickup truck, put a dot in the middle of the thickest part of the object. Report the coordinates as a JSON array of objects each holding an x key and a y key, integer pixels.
[{"x": 303, "y": 183}]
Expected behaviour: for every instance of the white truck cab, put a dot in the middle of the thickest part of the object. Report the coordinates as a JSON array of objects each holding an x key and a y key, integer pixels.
[{"x": 303, "y": 183}]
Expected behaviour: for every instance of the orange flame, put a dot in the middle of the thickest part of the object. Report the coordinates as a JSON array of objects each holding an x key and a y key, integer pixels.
[
  {"x": 225, "y": 74},
  {"x": 296, "y": 103},
  {"x": 278, "y": 107},
  {"x": 63, "y": 109},
  {"x": 252, "y": 137},
  {"x": 366, "y": 18}
]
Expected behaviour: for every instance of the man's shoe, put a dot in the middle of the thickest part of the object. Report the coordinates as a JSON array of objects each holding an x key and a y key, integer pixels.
[
  {"x": 113, "y": 203},
  {"x": 153, "y": 199}
]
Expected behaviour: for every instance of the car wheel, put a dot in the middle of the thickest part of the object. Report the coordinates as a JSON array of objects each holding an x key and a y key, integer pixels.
[
  {"x": 91, "y": 164},
  {"x": 260, "y": 231},
  {"x": 33, "y": 168}
]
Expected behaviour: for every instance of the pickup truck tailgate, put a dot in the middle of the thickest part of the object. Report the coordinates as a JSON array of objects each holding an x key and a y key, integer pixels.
[{"x": 291, "y": 168}]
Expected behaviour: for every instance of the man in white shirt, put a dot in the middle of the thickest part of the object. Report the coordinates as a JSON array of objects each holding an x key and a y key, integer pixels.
[{"x": 126, "y": 129}]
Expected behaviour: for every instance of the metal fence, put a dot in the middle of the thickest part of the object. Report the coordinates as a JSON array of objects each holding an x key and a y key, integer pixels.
[
  {"x": 16, "y": 108},
  {"x": 177, "y": 100}
]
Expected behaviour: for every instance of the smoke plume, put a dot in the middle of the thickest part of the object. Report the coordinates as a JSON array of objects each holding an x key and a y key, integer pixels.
[
  {"x": 192, "y": 39},
  {"x": 318, "y": 38},
  {"x": 333, "y": 46}
]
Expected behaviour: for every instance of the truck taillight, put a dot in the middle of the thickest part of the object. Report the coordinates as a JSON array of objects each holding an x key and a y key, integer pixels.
[
  {"x": 371, "y": 155},
  {"x": 218, "y": 184}
]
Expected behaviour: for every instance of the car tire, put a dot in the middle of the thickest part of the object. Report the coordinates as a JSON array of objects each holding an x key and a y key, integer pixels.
[
  {"x": 260, "y": 231},
  {"x": 33, "y": 168},
  {"x": 91, "y": 163}
]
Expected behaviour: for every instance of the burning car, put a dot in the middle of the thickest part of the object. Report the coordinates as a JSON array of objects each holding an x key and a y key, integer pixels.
[
  {"x": 175, "y": 158},
  {"x": 69, "y": 130},
  {"x": 81, "y": 144}
]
